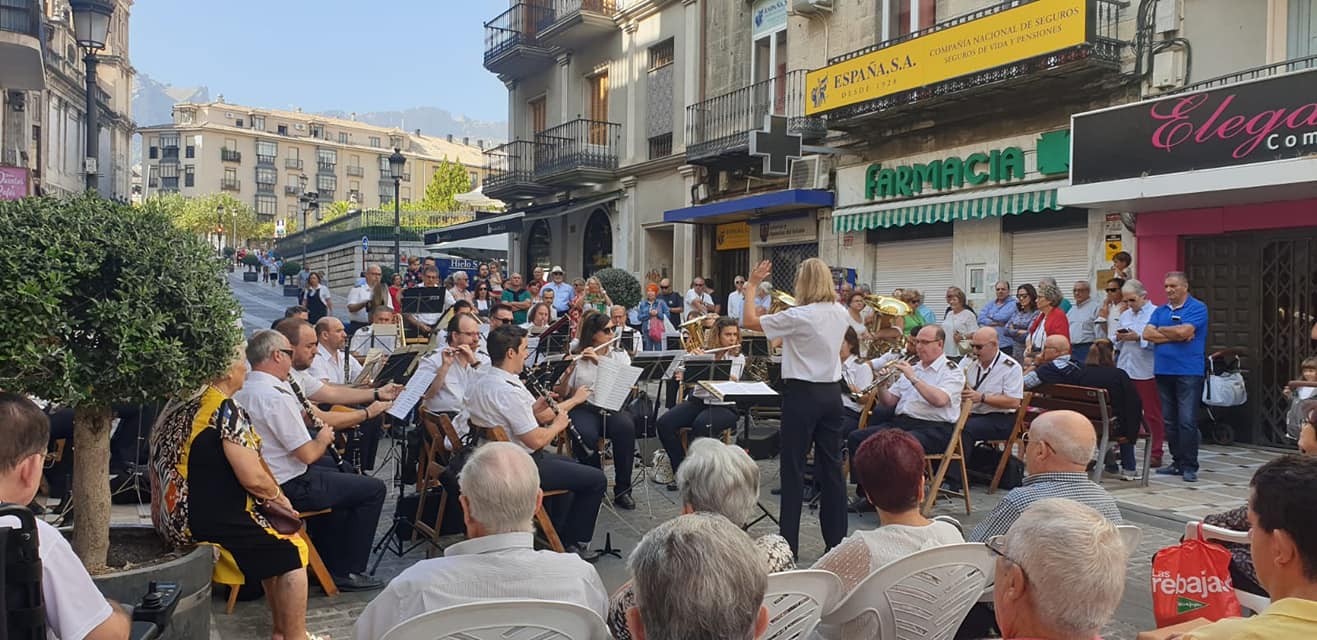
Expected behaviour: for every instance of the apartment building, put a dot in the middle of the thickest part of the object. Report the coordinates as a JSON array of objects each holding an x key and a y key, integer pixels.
[
  {"x": 43, "y": 102},
  {"x": 269, "y": 158}
]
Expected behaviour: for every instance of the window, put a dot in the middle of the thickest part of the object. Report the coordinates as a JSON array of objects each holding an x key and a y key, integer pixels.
[
  {"x": 904, "y": 17},
  {"x": 538, "y": 115},
  {"x": 266, "y": 205},
  {"x": 317, "y": 131},
  {"x": 169, "y": 140},
  {"x": 327, "y": 157},
  {"x": 282, "y": 129},
  {"x": 354, "y": 186},
  {"x": 190, "y": 151},
  {"x": 1302, "y": 21},
  {"x": 154, "y": 153},
  {"x": 384, "y": 167},
  {"x": 326, "y": 184},
  {"x": 266, "y": 148},
  {"x": 266, "y": 175},
  {"x": 258, "y": 123},
  {"x": 375, "y": 141},
  {"x": 475, "y": 179},
  {"x": 342, "y": 137},
  {"x": 230, "y": 144},
  {"x": 153, "y": 175},
  {"x": 661, "y": 54},
  {"x": 292, "y": 211},
  {"x": 231, "y": 175},
  {"x": 168, "y": 171},
  {"x": 660, "y": 146},
  {"x": 189, "y": 176}
]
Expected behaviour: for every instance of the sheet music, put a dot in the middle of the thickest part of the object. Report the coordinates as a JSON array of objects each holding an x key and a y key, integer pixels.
[
  {"x": 678, "y": 357},
  {"x": 371, "y": 366},
  {"x": 613, "y": 384},
  {"x": 412, "y": 393},
  {"x": 729, "y": 388}
]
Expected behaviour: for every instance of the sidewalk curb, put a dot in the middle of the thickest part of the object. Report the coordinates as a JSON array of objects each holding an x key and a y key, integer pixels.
[{"x": 1151, "y": 517}]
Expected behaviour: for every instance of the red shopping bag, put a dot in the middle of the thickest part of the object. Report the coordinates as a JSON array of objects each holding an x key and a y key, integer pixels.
[{"x": 1192, "y": 580}]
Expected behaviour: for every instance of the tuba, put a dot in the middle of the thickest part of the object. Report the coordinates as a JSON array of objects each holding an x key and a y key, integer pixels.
[
  {"x": 693, "y": 334},
  {"x": 885, "y": 340},
  {"x": 781, "y": 301}
]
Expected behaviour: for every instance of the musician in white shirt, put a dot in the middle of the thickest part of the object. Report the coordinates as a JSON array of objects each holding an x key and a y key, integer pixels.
[
  {"x": 364, "y": 296},
  {"x": 423, "y": 324},
  {"x": 702, "y": 412},
  {"x": 995, "y": 386},
  {"x": 597, "y": 337},
  {"x": 500, "y": 490},
  {"x": 856, "y": 376},
  {"x": 811, "y": 336},
  {"x": 499, "y": 399},
  {"x": 330, "y": 363},
  {"x": 456, "y": 367}
]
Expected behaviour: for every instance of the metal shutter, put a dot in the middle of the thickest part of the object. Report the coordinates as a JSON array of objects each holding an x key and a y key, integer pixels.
[
  {"x": 1060, "y": 253},
  {"x": 925, "y": 265}
]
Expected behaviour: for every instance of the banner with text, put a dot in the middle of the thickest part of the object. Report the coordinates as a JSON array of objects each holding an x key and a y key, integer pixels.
[{"x": 1002, "y": 38}]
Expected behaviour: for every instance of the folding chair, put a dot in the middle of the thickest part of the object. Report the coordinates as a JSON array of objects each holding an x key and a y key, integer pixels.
[
  {"x": 314, "y": 562},
  {"x": 497, "y": 434},
  {"x": 1022, "y": 419},
  {"x": 953, "y": 455},
  {"x": 434, "y": 458}
]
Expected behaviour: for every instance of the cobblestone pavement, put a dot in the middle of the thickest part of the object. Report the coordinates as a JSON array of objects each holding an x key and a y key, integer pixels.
[{"x": 1159, "y": 510}]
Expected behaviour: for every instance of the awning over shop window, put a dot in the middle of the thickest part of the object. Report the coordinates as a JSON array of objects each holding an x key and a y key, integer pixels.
[
  {"x": 755, "y": 206},
  {"x": 987, "y": 203}
]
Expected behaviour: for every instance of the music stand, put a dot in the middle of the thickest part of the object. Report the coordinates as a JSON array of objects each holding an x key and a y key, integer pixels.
[
  {"x": 547, "y": 373},
  {"x": 698, "y": 369},
  {"x": 398, "y": 367},
  {"x": 556, "y": 338},
  {"x": 424, "y": 300},
  {"x": 756, "y": 347},
  {"x": 654, "y": 366}
]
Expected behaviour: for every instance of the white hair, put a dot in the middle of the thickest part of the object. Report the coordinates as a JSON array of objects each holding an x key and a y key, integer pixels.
[
  {"x": 698, "y": 576},
  {"x": 1135, "y": 287},
  {"x": 719, "y": 478},
  {"x": 1075, "y": 562},
  {"x": 500, "y": 482},
  {"x": 263, "y": 345}
]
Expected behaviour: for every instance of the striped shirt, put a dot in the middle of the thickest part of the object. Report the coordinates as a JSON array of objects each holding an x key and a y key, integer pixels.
[{"x": 1072, "y": 485}]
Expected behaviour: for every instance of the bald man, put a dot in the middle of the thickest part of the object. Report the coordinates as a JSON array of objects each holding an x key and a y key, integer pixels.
[
  {"x": 1056, "y": 457},
  {"x": 1054, "y": 365},
  {"x": 995, "y": 384}
]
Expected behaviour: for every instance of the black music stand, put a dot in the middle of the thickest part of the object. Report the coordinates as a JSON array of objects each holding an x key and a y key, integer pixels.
[
  {"x": 555, "y": 339},
  {"x": 756, "y": 347},
  {"x": 398, "y": 368},
  {"x": 743, "y": 405},
  {"x": 427, "y": 300},
  {"x": 547, "y": 373}
]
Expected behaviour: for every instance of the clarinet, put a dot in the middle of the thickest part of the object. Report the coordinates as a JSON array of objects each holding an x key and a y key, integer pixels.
[
  {"x": 577, "y": 440},
  {"x": 314, "y": 424}
]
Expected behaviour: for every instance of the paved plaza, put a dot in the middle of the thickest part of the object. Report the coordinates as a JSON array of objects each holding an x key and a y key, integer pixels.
[{"x": 1159, "y": 509}]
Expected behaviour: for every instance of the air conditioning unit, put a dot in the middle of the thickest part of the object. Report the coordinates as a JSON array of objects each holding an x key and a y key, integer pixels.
[
  {"x": 809, "y": 172},
  {"x": 811, "y": 7}
]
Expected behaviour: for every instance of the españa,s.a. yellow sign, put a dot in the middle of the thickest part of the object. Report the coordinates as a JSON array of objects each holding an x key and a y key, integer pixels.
[
  {"x": 1010, "y": 36},
  {"x": 732, "y": 235}
]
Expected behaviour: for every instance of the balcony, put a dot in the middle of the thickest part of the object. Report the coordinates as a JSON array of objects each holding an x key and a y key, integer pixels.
[
  {"x": 578, "y": 153},
  {"x": 293, "y": 163},
  {"x": 20, "y": 45},
  {"x": 230, "y": 184},
  {"x": 1071, "y": 56},
  {"x": 510, "y": 171},
  {"x": 325, "y": 167},
  {"x": 167, "y": 154},
  {"x": 265, "y": 188},
  {"x": 720, "y": 126},
  {"x": 265, "y": 161},
  {"x": 512, "y": 44},
  {"x": 356, "y": 172},
  {"x": 292, "y": 190},
  {"x": 574, "y": 23},
  {"x": 230, "y": 155}
]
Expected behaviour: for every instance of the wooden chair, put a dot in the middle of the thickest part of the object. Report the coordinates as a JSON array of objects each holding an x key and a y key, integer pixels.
[
  {"x": 1023, "y": 416},
  {"x": 953, "y": 455},
  {"x": 314, "y": 562},
  {"x": 434, "y": 459},
  {"x": 1093, "y": 403},
  {"x": 497, "y": 434}
]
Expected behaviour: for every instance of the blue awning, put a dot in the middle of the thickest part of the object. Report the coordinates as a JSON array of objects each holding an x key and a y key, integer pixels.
[
  {"x": 749, "y": 207},
  {"x": 482, "y": 226}
]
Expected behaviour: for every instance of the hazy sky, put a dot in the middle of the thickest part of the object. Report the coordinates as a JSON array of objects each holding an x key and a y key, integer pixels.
[{"x": 370, "y": 55}]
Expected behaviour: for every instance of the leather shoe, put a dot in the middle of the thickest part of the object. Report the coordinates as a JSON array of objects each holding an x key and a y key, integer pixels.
[
  {"x": 624, "y": 501},
  {"x": 357, "y": 582},
  {"x": 860, "y": 505},
  {"x": 582, "y": 550},
  {"x": 1155, "y": 463},
  {"x": 1172, "y": 470}
]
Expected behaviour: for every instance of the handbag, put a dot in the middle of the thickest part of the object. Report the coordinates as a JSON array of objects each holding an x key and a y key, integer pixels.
[
  {"x": 281, "y": 518},
  {"x": 1224, "y": 389},
  {"x": 1192, "y": 580},
  {"x": 656, "y": 329}
]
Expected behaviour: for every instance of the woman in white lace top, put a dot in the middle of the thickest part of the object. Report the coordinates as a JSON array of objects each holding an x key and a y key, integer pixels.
[
  {"x": 890, "y": 468},
  {"x": 715, "y": 478}
]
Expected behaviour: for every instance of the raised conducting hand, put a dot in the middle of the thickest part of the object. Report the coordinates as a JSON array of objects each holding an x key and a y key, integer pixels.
[{"x": 760, "y": 273}]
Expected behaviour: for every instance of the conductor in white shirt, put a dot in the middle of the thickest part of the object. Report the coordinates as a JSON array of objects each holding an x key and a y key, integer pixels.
[
  {"x": 498, "y": 561},
  {"x": 811, "y": 336}
]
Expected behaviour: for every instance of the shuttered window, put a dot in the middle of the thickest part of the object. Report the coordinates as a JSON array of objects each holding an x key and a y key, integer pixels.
[
  {"x": 920, "y": 264},
  {"x": 1060, "y": 253}
]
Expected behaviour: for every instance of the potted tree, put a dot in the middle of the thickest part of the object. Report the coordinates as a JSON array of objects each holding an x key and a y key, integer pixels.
[
  {"x": 126, "y": 309},
  {"x": 290, "y": 271},
  {"x": 252, "y": 262},
  {"x": 622, "y": 287}
]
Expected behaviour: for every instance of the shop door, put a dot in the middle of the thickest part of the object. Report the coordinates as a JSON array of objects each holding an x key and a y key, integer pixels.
[
  {"x": 915, "y": 264},
  {"x": 786, "y": 259},
  {"x": 730, "y": 264},
  {"x": 1059, "y": 253},
  {"x": 1261, "y": 295}
]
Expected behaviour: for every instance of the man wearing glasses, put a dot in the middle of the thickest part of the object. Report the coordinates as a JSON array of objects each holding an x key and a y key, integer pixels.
[
  {"x": 698, "y": 298},
  {"x": 563, "y": 293},
  {"x": 1057, "y": 449},
  {"x": 455, "y": 367},
  {"x": 676, "y": 304},
  {"x": 997, "y": 313},
  {"x": 1081, "y": 316},
  {"x": 995, "y": 386}
]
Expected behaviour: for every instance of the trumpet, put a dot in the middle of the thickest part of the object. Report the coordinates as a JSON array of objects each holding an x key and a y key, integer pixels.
[{"x": 885, "y": 376}]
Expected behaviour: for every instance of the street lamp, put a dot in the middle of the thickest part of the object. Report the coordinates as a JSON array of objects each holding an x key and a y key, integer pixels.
[
  {"x": 310, "y": 200},
  {"x": 91, "y": 27},
  {"x": 396, "y": 163},
  {"x": 219, "y": 225}
]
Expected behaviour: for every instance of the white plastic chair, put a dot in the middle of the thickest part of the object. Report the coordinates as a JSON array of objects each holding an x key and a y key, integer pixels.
[
  {"x": 504, "y": 620},
  {"x": 796, "y": 600},
  {"x": 923, "y": 596},
  {"x": 1250, "y": 601}
]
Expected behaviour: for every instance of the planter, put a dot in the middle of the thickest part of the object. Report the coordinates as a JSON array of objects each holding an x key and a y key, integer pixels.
[
  {"x": 190, "y": 569},
  {"x": 292, "y": 291},
  {"x": 250, "y": 276}
]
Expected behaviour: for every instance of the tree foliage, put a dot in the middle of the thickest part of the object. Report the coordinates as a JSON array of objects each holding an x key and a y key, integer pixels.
[
  {"x": 107, "y": 304},
  {"x": 200, "y": 215},
  {"x": 449, "y": 179},
  {"x": 622, "y": 287}
]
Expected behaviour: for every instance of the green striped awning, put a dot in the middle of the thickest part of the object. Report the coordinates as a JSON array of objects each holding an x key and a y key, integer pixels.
[{"x": 1007, "y": 201}]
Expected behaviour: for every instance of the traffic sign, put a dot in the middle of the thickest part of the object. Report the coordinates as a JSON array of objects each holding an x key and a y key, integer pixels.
[{"x": 365, "y": 243}]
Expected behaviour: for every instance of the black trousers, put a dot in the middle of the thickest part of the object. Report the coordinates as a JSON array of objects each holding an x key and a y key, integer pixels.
[
  {"x": 811, "y": 415},
  {"x": 704, "y": 421},
  {"x": 929, "y": 434},
  {"x": 619, "y": 428},
  {"x": 344, "y": 536},
  {"x": 364, "y": 444},
  {"x": 573, "y": 514},
  {"x": 979, "y": 427}
]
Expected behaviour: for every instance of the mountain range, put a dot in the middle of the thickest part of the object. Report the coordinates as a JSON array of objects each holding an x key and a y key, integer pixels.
[{"x": 153, "y": 103}]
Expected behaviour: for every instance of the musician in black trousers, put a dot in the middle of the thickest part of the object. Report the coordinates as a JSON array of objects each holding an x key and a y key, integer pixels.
[
  {"x": 811, "y": 334},
  {"x": 701, "y": 412},
  {"x": 597, "y": 345}
]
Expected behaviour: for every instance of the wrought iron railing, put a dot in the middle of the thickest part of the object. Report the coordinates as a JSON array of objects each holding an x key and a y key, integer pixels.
[
  {"x": 21, "y": 16},
  {"x": 230, "y": 155},
  {"x": 325, "y": 167},
  {"x": 377, "y": 224},
  {"x": 1255, "y": 73},
  {"x": 357, "y": 171},
  {"x": 722, "y": 122},
  {"x": 292, "y": 190},
  {"x": 518, "y": 26},
  {"x": 510, "y": 164},
  {"x": 578, "y": 144},
  {"x": 265, "y": 160},
  {"x": 564, "y": 8},
  {"x": 228, "y": 184}
]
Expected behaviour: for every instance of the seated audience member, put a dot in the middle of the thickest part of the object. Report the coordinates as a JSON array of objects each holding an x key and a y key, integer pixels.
[
  {"x": 1242, "y": 572},
  {"x": 293, "y": 453},
  {"x": 891, "y": 469},
  {"x": 1284, "y": 543},
  {"x": 206, "y": 459},
  {"x": 498, "y": 561},
  {"x": 1053, "y": 365},
  {"x": 74, "y": 607},
  {"x": 1060, "y": 572},
  {"x": 697, "y": 577},
  {"x": 1058, "y": 447},
  {"x": 716, "y": 478},
  {"x": 296, "y": 311},
  {"x": 1100, "y": 372}
]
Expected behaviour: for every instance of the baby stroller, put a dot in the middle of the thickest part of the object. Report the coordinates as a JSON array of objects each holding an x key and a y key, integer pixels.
[{"x": 1224, "y": 395}]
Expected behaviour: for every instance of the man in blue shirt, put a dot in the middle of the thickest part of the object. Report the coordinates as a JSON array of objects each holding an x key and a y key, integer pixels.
[
  {"x": 563, "y": 293},
  {"x": 997, "y": 313},
  {"x": 1179, "y": 331}
]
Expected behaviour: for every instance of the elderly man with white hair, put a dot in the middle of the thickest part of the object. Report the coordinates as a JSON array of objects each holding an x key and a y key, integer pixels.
[
  {"x": 714, "y": 478},
  {"x": 498, "y": 561},
  {"x": 1058, "y": 447},
  {"x": 1060, "y": 572},
  {"x": 697, "y": 577}
]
